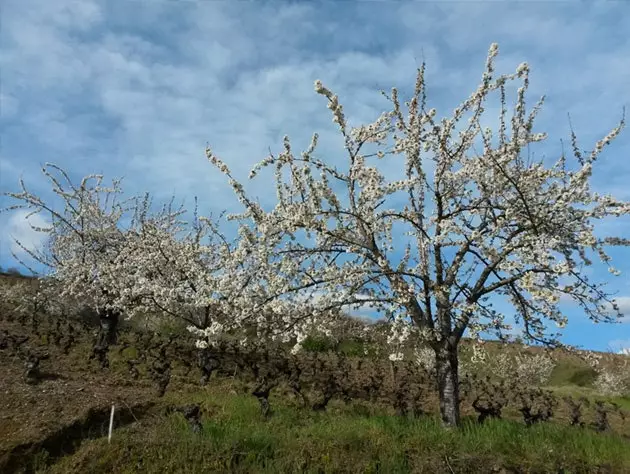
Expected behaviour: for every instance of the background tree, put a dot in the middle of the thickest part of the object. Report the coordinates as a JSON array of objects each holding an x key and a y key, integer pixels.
[
  {"x": 14, "y": 271},
  {"x": 90, "y": 254},
  {"x": 480, "y": 223},
  {"x": 126, "y": 261}
]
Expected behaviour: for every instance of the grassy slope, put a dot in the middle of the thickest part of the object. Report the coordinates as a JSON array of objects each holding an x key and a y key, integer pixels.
[{"x": 347, "y": 438}]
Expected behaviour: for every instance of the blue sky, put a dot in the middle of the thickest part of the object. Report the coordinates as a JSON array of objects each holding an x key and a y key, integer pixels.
[{"x": 137, "y": 88}]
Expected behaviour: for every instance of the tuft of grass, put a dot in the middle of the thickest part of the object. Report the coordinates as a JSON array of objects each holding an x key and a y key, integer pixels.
[
  {"x": 568, "y": 372},
  {"x": 583, "y": 377},
  {"x": 317, "y": 344},
  {"x": 130, "y": 353},
  {"x": 236, "y": 439}
]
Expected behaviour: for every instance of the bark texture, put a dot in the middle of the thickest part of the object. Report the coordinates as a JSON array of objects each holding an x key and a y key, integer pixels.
[{"x": 448, "y": 384}]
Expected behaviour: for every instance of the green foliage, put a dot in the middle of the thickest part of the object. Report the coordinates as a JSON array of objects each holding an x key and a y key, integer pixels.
[
  {"x": 130, "y": 353},
  {"x": 346, "y": 439},
  {"x": 572, "y": 373},
  {"x": 348, "y": 347},
  {"x": 318, "y": 344},
  {"x": 14, "y": 271},
  {"x": 352, "y": 348},
  {"x": 583, "y": 377}
]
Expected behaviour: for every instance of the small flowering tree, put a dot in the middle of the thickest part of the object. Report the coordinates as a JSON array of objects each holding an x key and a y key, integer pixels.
[
  {"x": 480, "y": 223},
  {"x": 146, "y": 266},
  {"x": 613, "y": 378},
  {"x": 85, "y": 238}
]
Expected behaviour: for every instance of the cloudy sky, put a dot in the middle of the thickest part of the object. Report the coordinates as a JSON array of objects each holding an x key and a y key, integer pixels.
[{"x": 137, "y": 88}]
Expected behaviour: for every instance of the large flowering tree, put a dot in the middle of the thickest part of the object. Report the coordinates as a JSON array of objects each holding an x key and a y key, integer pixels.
[
  {"x": 479, "y": 223},
  {"x": 126, "y": 261}
]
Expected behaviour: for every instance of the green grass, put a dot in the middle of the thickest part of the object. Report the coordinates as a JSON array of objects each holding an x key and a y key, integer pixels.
[
  {"x": 569, "y": 372},
  {"x": 236, "y": 439}
]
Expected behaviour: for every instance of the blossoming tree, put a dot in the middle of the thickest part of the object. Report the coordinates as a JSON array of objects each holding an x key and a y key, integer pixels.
[
  {"x": 84, "y": 238},
  {"x": 479, "y": 223},
  {"x": 125, "y": 261}
]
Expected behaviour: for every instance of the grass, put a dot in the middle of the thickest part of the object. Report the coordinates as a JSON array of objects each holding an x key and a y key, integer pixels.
[
  {"x": 568, "y": 372},
  {"x": 344, "y": 439}
]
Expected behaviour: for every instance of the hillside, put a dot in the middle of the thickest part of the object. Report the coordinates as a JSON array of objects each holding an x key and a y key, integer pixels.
[{"x": 54, "y": 416}]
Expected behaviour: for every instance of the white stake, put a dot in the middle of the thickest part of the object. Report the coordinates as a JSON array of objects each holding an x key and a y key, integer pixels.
[{"x": 111, "y": 425}]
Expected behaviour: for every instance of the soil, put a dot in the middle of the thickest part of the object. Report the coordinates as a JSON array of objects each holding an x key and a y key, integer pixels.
[{"x": 64, "y": 408}]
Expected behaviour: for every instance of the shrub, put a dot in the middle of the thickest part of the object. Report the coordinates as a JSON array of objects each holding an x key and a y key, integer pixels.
[
  {"x": 317, "y": 344},
  {"x": 584, "y": 377}
]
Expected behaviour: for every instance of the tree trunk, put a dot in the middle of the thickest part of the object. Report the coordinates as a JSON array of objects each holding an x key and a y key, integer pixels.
[
  {"x": 448, "y": 383},
  {"x": 107, "y": 335},
  {"x": 108, "y": 320}
]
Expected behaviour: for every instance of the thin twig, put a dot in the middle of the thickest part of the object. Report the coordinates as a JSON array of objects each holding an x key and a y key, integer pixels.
[
  {"x": 448, "y": 464},
  {"x": 130, "y": 410}
]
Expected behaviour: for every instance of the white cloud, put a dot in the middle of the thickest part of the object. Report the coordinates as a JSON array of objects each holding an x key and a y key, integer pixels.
[
  {"x": 622, "y": 301},
  {"x": 19, "y": 229},
  {"x": 9, "y": 106},
  {"x": 152, "y": 98},
  {"x": 624, "y": 307},
  {"x": 136, "y": 89},
  {"x": 620, "y": 346}
]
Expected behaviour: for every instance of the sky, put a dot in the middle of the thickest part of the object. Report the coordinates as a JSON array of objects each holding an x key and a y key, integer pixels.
[{"x": 136, "y": 89}]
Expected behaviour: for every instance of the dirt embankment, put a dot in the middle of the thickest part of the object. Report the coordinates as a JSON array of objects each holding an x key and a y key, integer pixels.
[{"x": 61, "y": 411}]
